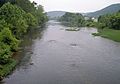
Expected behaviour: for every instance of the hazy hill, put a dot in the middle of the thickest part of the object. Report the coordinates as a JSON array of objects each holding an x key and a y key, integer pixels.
[
  {"x": 110, "y": 9},
  {"x": 107, "y": 10},
  {"x": 54, "y": 14}
]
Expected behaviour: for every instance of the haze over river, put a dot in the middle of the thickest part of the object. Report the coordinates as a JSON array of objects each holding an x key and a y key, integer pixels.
[{"x": 56, "y": 56}]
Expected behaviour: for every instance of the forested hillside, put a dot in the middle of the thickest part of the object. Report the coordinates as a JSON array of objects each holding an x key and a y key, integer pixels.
[
  {"x": 17, "y": 17},
  {"x": 107, "y": 10}
]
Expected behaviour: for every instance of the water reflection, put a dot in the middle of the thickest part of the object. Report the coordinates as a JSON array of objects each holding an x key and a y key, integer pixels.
[{"x": 26, "y": 48}]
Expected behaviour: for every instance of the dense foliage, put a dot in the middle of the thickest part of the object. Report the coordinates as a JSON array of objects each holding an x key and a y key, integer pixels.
[
  {"x": 109, "y": 26},
  {"x": 17, "y": 17},
  {"x": 8, "y": 43},
  {"x": 73, "y": 19},
  {"x": 111, "y": 21}
]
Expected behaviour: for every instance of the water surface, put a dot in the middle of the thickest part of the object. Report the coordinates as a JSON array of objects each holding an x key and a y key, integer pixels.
[{"x": 67, "y": 57}]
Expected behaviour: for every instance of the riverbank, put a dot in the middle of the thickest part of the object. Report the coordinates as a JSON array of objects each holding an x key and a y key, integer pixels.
[
  {"x": 7, "y": 68},
  {"x": 109, "y": 33}
]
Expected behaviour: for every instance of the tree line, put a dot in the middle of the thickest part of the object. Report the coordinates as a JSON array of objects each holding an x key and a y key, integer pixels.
[
  {"x": 107, "y": 21},
  {"x": 111, "y": 21},
  {"x": 72, "y": 19}
]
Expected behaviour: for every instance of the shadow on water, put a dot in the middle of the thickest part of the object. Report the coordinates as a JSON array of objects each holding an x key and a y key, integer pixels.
[
  {"x": 26, "y": 46},
  {"x": 24, "y": 53}
]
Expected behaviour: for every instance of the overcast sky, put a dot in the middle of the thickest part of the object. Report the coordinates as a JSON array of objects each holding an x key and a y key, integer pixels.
[{"x": 75, "y": 5}]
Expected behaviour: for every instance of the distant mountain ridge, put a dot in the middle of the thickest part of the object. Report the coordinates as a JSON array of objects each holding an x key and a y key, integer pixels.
[
  {"x": 108, "y": 10},
  {"x": 54, "y": 14}
]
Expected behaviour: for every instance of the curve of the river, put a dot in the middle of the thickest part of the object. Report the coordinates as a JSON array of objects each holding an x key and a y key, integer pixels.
[{"x": 67, "y": 57}]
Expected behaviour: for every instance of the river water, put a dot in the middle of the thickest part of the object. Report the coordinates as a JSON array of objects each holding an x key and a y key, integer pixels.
[{"x": 56, "y": 56}]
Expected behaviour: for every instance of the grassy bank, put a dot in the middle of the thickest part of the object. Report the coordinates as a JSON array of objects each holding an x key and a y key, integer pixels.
[
  {"x": 7, "y": 68},
  {"x": 109, "y": 33}
]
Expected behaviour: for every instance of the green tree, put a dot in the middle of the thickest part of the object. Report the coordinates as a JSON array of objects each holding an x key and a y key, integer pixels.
[
  {"x": 8, "y": 44},
  {"x": 110, "y": 21},
  {"x": 3, "y": 24},
  {"x": 8, "y": 38},
  {"x": 31, "y": 21},
  {"x": 40, "y": 15},
  {"x": 73, "y": 19},
  {"x": 26, "y": 5},
  {"x": 14, "y": 16},
  {"x": 5, "y": 53}
]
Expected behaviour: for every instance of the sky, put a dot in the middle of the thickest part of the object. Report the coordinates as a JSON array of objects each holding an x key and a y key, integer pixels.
[{"x": 81, "y": 6}]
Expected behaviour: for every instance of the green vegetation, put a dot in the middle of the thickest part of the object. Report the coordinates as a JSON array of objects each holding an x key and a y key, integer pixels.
[
  {"x": 17, "y": 17},
  {"x": 90, "y": 23},
  {"x": 111, "y": 21},
  {"x": 109, "y": 26},
  {"x": 72, "y": 19},
  {"x": 110, "y": 34},
  {"x": 7, "y": 68}
]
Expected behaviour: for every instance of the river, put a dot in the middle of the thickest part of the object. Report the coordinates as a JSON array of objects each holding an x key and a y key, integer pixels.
[{"x": 56, "y": 56}]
